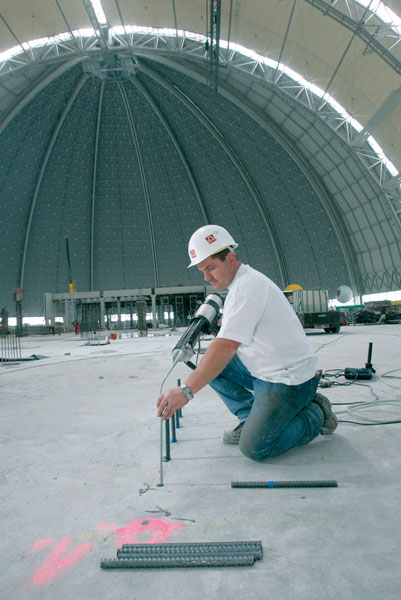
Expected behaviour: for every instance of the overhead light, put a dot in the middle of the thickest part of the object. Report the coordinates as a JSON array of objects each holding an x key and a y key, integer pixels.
[{"x": 99, "y": 12}]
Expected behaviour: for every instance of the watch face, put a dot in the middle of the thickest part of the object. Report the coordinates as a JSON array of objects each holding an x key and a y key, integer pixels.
[{"x": 185, "y": 390}]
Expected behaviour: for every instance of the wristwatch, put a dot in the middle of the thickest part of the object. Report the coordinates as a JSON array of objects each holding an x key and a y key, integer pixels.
[{"x": 186, "y": 391}]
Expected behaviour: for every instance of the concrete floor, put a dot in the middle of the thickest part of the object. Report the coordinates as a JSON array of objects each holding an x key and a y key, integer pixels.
[{"x": 80, "y": 468}]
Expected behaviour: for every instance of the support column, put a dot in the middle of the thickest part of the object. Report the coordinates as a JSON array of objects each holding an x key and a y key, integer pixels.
[
  {"x": 66, "y": 316},
  {"x": 154, "y": 318},
  {"x": 118, "y": 313},
  {"x": 102, "y": 313},
  {"x": 49, "y": 309}
]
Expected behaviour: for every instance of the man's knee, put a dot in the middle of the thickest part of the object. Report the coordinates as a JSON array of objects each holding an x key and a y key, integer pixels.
[{"x": 254, "y": 453}]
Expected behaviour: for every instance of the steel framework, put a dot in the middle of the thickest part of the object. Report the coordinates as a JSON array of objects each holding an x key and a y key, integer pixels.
[{"x": 124, "y": 42}]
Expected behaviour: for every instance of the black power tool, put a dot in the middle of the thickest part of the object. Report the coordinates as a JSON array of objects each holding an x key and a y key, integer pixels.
[
  {"x": 204, "y": 321},
  {"x": 366, "y": 373}
]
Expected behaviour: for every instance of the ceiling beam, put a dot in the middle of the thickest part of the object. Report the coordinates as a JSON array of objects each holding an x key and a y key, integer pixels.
[
  {"x": 328, "y": 9},
  {"x": 100, "y": 30},
  {"x": 284, "y": 40},
  {"x": 15, "y": 37},
  {"x": 175, "y": 25},
  {"x": 67, "y": 23},
  {"x": 94, "y": 175},
  {"x": 266, "y": 123},
  {"x": 142, "y": 89},
  {"x": 391, "y": 102},
  {"x": 37, "y": 86},
  {"x": 120, "y": 15},
  {"x": 245, "y": 176},
  {"x": 144, "y": 181},
  {"x": 42, "y": 170}
]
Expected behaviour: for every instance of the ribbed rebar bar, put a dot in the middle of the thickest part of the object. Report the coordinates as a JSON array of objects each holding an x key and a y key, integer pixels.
[
  {"x": 179, "y": 411},
  {"x": 283, "y": 484},
  {"x": 186, "y": 546},
  {"x": 173, "y": 438},
  {"x": 167, "y": 436},
  {"x": 257, "y": 553},
  {"x": 196, "y": 560}
]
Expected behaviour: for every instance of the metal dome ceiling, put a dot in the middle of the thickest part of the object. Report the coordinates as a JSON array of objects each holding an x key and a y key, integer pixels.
[{"x": 119, "y": 141}]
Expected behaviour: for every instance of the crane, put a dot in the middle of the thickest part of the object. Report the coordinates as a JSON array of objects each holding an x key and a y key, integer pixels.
[{"x": 72, "y": 284}]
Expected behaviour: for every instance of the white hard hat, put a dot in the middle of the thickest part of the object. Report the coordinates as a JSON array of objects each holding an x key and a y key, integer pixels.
[{"x": 208, "y": 240}]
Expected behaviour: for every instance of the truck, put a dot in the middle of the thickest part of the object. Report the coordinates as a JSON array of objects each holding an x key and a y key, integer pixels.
[{"x": 312, "y": 308}]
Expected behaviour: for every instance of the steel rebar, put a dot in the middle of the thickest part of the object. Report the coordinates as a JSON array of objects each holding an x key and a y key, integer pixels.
[
  {"x": 197, "y": 560},
  {"x": 185, "y": 546},
  {"x": 282, "y": 484},
  {"x": 10, "y": 348},
  {"x": 173, "y": 437},
  {"x": 214, "y": 550},
  {"x": 179, "y": 411},
  {"x": 167, "y": 426}
]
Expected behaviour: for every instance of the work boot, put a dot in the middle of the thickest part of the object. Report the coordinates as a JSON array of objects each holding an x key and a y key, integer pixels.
[
  {"x": 330, "y": 419},
  {"x": 232, "y": 437}
]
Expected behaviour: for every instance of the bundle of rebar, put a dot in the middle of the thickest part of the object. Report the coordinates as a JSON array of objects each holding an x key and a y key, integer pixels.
[
  {"x": 198, "y": 554},
  {"x": 10, "y": 348}
]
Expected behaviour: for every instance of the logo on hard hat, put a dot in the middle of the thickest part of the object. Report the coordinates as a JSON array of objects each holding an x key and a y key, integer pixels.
[
  {"x": 192, "y": 253},
  {"x": 210, "y": 238}
]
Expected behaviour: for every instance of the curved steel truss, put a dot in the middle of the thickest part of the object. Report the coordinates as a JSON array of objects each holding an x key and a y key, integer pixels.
[{"x": 118, "y": 61}]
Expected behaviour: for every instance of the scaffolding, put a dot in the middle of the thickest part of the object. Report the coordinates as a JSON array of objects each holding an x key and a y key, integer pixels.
[
  {"x": 124, "y": 309},
  {"x": 90, "y": 326},
  {"x": 141, "y": 314}
]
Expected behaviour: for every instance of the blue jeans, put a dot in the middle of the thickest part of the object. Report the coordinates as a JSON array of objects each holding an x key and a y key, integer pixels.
[{"x": 278, "y": 416}]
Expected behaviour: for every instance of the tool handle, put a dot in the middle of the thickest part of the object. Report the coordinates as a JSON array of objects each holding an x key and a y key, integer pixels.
[{"x": 370, "y": 354}]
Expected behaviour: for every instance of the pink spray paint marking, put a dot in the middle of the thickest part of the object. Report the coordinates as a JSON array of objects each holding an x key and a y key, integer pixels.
[
  {"x": 63, "y": 557},
  {"x": 148, "y": 531},
  {"x": 39, "y": 544},
  {"x": 60, "y": 559}
]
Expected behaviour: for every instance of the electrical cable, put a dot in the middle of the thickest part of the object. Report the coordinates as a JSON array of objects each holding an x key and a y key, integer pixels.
[
  {"x": 335, "y": 373},
  {"x": 386, "y": 375},
  {"x": 328, "y": 343},
  {"x": 346, "y": 403},
  {"x": 370, "y": 424},
  {"x": 370, "y": 390},
  {"x": 361, "y": 405}
]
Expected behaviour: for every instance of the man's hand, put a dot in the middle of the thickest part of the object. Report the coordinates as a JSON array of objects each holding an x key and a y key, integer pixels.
[
  {"x": 218, "y": 354},
  {"x": 170, "y": 401},
  {"x": 216, "y": 331}
]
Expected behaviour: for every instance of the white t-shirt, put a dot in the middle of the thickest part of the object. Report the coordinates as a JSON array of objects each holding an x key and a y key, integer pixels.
[{"x": 273, "y": 344}]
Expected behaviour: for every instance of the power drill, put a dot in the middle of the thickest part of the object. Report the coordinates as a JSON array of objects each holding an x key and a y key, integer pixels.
[
  {"x": 204, "y": 321},
  {"x": 366, "y": 373}
]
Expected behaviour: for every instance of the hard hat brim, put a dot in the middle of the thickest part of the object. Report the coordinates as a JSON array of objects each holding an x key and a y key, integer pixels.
[{"x": 196, "y": 261}]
